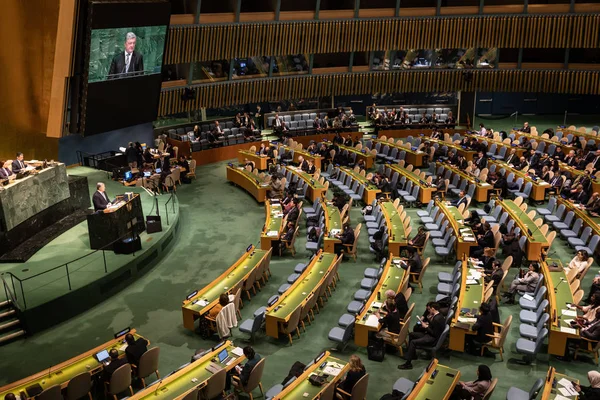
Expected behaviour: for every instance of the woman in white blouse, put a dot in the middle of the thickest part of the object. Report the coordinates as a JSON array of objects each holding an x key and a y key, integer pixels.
[{"x": 579, "y": 262}]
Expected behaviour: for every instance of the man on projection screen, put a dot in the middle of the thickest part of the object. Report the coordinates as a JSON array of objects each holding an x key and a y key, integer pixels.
[{"x": 128, "y": 62}]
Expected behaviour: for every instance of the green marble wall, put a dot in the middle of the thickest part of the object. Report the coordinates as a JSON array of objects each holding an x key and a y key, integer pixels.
[{"x": 106, "y": 43}]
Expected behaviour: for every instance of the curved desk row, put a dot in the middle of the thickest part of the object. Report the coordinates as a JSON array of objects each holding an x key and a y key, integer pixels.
[
  {"x": 536, "y": 241},
  {"x": 482, "y": 189},
  {"x": 250, "y": 182},
  {"x": 427, "y": 190},
  {"x": 469, "y": 300},
  {"x": 465, "y": 239},
  {"x": 538, "y": 188},
  {"x": 246, "y": 267},
  {"x": 62, "y": 373}
]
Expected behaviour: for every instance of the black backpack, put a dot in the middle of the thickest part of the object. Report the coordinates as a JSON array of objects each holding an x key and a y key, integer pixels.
[{"x": 376, "y": 349}]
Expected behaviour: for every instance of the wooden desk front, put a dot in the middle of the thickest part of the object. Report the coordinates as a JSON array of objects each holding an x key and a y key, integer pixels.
[
  {"x": 368, "y": 158},
  {"x": 470, "y": 297},
  {"x": 404, "y": 133},
  {"x": 482, "y": 189},
  {"x": 559, "y": 295},
  {"x": 333, "y": 221},
  {"x": 273, "y": 223},
  {"x": 393, "y": 278},
  {"x": 296, "y": 296},
  {"x": 371, "y": 190},
  {"x": 462, "y": 232},
  {"x": 550, "y": 391},
  {"x": 315, "y": 188},
  {"x": 536, "y": 241},
  {"x": 439, "y": 387},
  {"x": 179, "y": 384},
  {"x": 207, "y": 298},
  {"x": 259, "y": 161},
  {"x": 426, "y": 191},
  {"x": 315, "y": 158},
  {"x": 62, "y": 373},
  {"x": 247, "y": 180},
  {"x": 468, "y": 154},
  {"x": 411, "y": 157},
  {"x": 300, "y": 386},
  {"x": 538, "y": 188},
  {"x": 529, "y": 136},
  {"x": 397, "y": 235},
  {"x": 490, "y": 141}
]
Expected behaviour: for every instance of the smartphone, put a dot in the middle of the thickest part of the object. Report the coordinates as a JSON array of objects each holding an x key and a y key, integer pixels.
[{"x": 434, "y": 374}]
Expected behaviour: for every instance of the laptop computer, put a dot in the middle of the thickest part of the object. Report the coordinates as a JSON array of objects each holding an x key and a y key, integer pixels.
[
  {"x": 147, "y": 174},
  {"x": 128, "y": 176},
  {"x": 158, "y": 170},
  {"x": 102, "y": 357},
  {"x": 224, "y": 357}
]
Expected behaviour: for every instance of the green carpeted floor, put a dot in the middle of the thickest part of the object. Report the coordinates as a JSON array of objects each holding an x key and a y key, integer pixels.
[{"x": 218, "y": 221}]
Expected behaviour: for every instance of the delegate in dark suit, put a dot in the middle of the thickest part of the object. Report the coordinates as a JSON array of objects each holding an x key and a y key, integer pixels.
[
  {"x": 18, "y": 166},
  {"x": 5, "y": 173},
  {"x": 119, "y": 69},
  {"x": 115, "y": 363},
  {"x": 100, "y": 200},
  {"x": 428, "y": 337},
  {"x": 135, "y": 351}
]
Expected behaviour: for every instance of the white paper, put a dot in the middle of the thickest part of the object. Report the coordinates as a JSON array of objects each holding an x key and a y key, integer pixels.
[
  {"x": 123, "y": 348},
  {"x": 527, "y": 296},
  {"x": 568, "y": 330},
  {"x": 332, "y": 371},
  {"x": 564, "y": 382},
  {"x": 201, "y": 302},
  {"x": 485, "y": 184},
  {"x": 568, "y": 321},
  {"x": 569, "y": 313},
  {"x": 372, "y": 320},
  {"x": 567, "y": 392},
  {"x": 467, "y": 320},
  {"x": 559, "y": 397},
  {"x": 469, "y": 239},
  {"x": 238, "y": 351},
  {"x": 377, "y": 304},
  {"x": 272, "y": 233},
  {"x": 471, "y": 282}
]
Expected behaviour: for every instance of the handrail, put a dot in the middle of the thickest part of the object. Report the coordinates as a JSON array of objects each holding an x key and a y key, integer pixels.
[
  {"x": 174, "y": 199},
  {"x": 10, "y": 295},
  {"x": 65, "y": 265}
]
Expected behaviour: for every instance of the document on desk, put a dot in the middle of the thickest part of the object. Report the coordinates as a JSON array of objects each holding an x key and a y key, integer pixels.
[
  {"x": 238, "y": 351},
  {"x": 469, "y": 239},
  {"x": 201, "y": 302},
  {"x": 472, "y": 282},
  {"x": 467, "y": 320},
  {"x": 559, "y": 397},
  {"x": 568, "y": 392},
  {"x": 331, "y": 370},
  {"x": 564, "y": 382},
  {"x": 372, "y": 321},
  {"x": 272, "y": 233},
  {"x": 568, "y": 330},
  {"x": 568, "y": 313}
]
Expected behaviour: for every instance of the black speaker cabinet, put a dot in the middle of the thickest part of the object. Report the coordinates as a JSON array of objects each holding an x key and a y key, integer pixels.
[
  {"x": 153, "y": 224},
  {"x": 128, "y": 246}
]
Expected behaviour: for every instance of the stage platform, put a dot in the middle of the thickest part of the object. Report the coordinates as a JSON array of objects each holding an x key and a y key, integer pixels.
[{"x": 67, "y": 275}]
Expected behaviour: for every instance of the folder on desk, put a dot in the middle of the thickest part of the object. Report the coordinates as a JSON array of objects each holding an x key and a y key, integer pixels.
[
  {"x": 213, "y": 368},
  {"x": 372, "y": 321},
  {"x": 272, "y": 233}
]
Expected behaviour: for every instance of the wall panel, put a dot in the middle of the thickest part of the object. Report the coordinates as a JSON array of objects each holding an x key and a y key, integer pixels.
[
  {"x": 275, "y": 89},
  {"x": 214, "y": 42}
]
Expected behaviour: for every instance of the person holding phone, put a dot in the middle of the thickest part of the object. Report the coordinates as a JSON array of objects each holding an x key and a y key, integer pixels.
[
  {"x": 241, "y": 375},
  {"x": 591, "y": 392}
]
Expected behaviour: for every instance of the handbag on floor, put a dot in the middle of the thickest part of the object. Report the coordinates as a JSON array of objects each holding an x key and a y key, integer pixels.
[{"x": 376, "y": 349}]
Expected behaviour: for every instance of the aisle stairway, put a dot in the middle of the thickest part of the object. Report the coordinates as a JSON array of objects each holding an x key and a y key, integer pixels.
[{"x": 11, "y": 327}]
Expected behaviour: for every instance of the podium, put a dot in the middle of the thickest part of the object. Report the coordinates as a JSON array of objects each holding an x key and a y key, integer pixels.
[{"x": 124, "y": 219}]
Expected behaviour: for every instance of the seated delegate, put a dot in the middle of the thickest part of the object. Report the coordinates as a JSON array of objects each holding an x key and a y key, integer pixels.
[
  {"x": 390, "y": 322},
  {"x": 135, "y": 348},
  {"x": 473, "y": 389},
  {"x": 18, "y": 165},
  {"x": 241, "y": 375},
  {"x": 428, "y": 336},
  {"x": 355, "y": 373},
  {"x": 526, "y": 283},
  {"x": 114, "y": 364}
]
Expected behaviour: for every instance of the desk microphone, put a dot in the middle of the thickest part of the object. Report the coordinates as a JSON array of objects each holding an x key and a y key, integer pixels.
[
  {"x": 556, "y": 287},
  {"x": 158, "y": 387}
]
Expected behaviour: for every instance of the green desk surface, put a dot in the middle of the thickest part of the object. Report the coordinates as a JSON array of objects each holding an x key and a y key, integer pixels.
[
  {"x": 360, "y": 178},
  {"x": 359, "y": 152},
  {"x": 398, "y": 146},
  {"x": 252, "y": 153},
  {"x": 450, "y": 145},
  {"x": 392, "y": 279},
  {"x": 472, "y": 295},
  {"x": 519, "y": 173},
  {"x": 294, "y": 297},
  {"x": 397, "y": 229},
  {"x": 68, "y": 372},
  {"x": 562, "y": 294},
  {"x": 438, "y": 387},
  {"x": 248, "y": 175},
  {"x": 212, "y": 293},
  {"x": 452, "y": 212},
  {"x": 308, "y": 178},
  {"x": 183, "y": 383},
  {"x": 304, "y": 386},
  {"x": 409, "y": 174},
  {"x": 332, "y": 217},
  {"x": 274, "y": 220},
  {"x": 525, "y": 221},
  {"x": 464, "y": 175}
]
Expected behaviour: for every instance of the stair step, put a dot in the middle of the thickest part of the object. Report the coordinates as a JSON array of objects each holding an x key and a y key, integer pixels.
[
  {"x": 9, "y": 324},
  {"x": 5, "y": 303},
  {"x": 7, "y": 313},
  {"x": 11, "y": 336}
]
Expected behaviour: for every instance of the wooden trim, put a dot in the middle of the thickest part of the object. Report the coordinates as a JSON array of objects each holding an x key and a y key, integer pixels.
[
  {"x": 376, "y": 12},
  {"x": 336, "y": 14},
  {"x": 533, "y": 65},
  {"x": 589, "y": 67},
  {"x": 62, "y": 68},
  {"x": 296, "y": 15},
  {"x": 587, "y": 8},
  {"x": 217, "y": 18},
  {"x": 548, "y": 8},
  {"x": 182, "y": 19},
  {"x": 360, "y": 68},
  {"x": 171, "y": 84},
  {"x": 417, "y": 12},
  {"x": 329, "y": 70},
  {"x": 257, "y": 16},
  {"x": 504, "y": 9},
  {"x": 508, "y": 65},
  {"x": 471, "y": 10}
]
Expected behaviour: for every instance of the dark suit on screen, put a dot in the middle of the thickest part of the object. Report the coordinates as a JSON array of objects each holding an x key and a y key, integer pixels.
[{"x": 117, "y": 66}]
